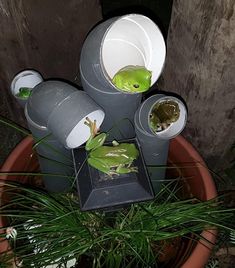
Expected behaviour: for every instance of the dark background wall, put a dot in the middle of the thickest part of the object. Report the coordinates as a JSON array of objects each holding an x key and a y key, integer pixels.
[
  {"x": 48, "y": 35},
  {"x": 159, "y": 11},
  {"x": 43, "y": 35},
  {"x": 200, "y": 66}
]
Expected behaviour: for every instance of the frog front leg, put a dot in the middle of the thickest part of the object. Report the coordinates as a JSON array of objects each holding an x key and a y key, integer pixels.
[{"x": 94, "y": 140}]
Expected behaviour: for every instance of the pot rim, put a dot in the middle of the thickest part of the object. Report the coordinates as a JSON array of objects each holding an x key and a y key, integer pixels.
[
  {"x": 14, "y": 155},
  {"x": 203, "y": 248}
]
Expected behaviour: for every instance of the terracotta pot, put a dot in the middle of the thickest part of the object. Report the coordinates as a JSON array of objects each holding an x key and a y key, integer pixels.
[
  {"x": 199, "y": 183},
  {"x": 21, "y": 159}
]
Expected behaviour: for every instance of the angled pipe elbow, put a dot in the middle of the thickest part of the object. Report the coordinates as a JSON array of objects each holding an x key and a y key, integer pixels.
[{"x": 61, "y": 109}]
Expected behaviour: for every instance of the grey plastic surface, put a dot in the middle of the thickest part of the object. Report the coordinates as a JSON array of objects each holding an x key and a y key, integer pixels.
[
  {"x": 45, "y": 98},
  {"x": 56, "y": 108},
  {"x": 53, "y": 158},
  {"x": 98, "y": 190},
  {"x": 155, "y": 152},
  {"x": 119, "y": 107},
  {"x": 66, "y": 116},
  {"x": 154, "y": 149}
]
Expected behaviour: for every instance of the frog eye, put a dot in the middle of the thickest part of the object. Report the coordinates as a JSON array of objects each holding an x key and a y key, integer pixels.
[{"x": 136, "y": 86}]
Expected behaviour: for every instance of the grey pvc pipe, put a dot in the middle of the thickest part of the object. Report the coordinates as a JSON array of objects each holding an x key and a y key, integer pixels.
[
  {"x": 57, "y": 110},
  {"x": 53, "y": 158},
  {"x": 119, "y": 107},
  {"x": 132, "y": 39},
  {"x": 26, "y": 78},
  {"x": 155, "y": 146},
  {"x": 155, "y": 153},
  {"x": 62, "y": 109}
]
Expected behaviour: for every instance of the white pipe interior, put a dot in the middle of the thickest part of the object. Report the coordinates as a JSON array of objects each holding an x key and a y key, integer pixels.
[
  {"x": 133, "y": 40},
  {"x": 28, "y": 78},
  {"x": 176, "y": 127},
  {"x": 81, "y": 132}
]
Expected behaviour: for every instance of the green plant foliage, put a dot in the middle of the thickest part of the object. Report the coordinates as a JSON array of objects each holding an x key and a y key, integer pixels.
[
  {"x": 45, "y": 229},
  {"x": 48, "y": 229},
  {"x": 232, "y": 237}
]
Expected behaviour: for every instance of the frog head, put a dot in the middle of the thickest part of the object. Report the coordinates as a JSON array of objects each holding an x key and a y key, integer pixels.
[{"x": 134, "y": 79}]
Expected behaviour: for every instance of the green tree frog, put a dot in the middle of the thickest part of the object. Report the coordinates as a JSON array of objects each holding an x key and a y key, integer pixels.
[
  {"x": 24, "y": 92},
  {"x": 133, "y": 79},
  {"x": 116, "y": 159},
  {"x": 163, "y": 114}
]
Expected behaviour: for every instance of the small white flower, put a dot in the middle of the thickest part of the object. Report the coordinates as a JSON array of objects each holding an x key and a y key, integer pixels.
[
  {"x": 19, "y": 263},
  {"x": 11, "y": 233}
]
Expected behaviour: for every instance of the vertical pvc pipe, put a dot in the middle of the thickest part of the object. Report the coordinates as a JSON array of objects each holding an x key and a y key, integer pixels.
[
  {"x": 56, "y": 112},
  {"x": 53, "y": 158},
  {"x": 118, "y": 42},
  {"x": 155, "y": 145}
]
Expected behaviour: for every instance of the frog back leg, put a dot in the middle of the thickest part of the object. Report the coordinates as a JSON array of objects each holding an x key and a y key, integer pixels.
[
  {"x": 101, "y": 166},
  {"x": 121, "y": 169}
]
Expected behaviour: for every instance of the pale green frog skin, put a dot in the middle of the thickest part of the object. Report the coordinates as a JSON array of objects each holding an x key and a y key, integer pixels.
[
  {"x": 116, "y": 159},
  {"x": 24, "y": 92},
  {"x": 163, "y": 114},
  {"x": 133, "y": 79}
]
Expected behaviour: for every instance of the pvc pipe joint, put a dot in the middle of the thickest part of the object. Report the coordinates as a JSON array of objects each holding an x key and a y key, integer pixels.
[
  {"x": 155, "y": 145},
  {"x": 128, "y": 40},
  {"x": 62, "y": 110}
]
